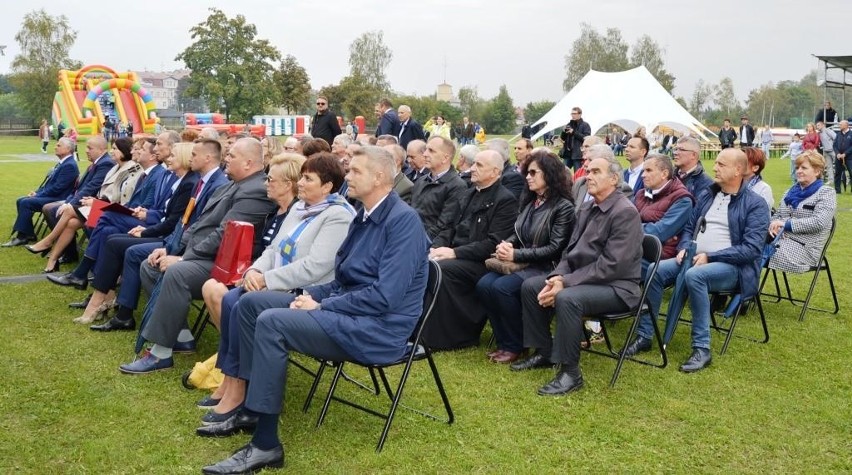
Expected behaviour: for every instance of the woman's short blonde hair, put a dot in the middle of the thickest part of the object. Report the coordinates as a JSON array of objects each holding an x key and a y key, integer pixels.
[
  {"x": 814, "y": 158},
  {"x": 287, "y": 166},
  {"x": 182, "y": 153}
]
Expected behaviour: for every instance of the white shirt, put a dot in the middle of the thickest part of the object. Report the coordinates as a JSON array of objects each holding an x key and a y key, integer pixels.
[{"x": 368, "y": 212}]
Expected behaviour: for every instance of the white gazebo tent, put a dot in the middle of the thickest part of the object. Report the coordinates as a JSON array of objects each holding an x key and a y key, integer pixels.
[{"x": 629, "y": 99}]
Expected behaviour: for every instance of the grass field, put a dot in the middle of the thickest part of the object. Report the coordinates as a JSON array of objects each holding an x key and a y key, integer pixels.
[{"x": 780, "y": 407}]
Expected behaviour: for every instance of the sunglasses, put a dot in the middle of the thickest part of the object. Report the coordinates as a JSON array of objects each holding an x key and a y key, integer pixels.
[
  {"x": 320, "y": 103},
  {"x": 533, "y": 173}
]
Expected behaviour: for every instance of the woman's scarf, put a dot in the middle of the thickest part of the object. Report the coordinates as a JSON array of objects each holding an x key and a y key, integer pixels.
[{"x": 797, "y": 194}]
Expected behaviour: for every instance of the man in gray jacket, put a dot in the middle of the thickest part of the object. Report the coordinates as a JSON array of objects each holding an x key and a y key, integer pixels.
[
  {"x": 244, "y": 199},
  {"x": 599, "y": 273},
  {"x": 826, "y": 137}
]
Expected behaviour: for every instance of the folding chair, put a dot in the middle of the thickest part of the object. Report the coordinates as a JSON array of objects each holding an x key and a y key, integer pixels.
[
  {"x": 735, "y": 308},
  {"x": 651, "y": 250},
  {"x": 201, "y": 320},
  {"x": 416, "y": 352},
  {"x": 822, "y": 263}
]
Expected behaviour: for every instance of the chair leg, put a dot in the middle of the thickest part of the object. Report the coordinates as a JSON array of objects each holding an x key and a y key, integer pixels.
[
  {"x": 330, "y": 395},
  {"x": 730, "y": 331},
  {"x": 437, "y": 377},
  {"x": 762, "y": 320},
  {"x": 200, "y": 322},
  {"x": 621, "y": 356},
  {"x": 831, "y": 285},
  {"x": 314, "y": 385},
  {"x": 394, "y": 404}
]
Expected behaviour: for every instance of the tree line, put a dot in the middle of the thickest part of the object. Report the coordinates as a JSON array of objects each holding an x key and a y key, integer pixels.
[{"x": 239, "y": 74}]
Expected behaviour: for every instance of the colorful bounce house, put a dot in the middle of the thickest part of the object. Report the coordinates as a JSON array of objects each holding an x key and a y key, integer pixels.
[
  {"x": 217, "y": 121},
  {"x": 87, "y": 96}
]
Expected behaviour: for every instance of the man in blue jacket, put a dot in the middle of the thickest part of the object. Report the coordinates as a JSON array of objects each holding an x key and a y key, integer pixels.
[
  {"x": 59, "y": 183},
  {"x": 727, "y": 256},
  {"x": 366, "y": 314},
  {"x": 388, "y": 120}
]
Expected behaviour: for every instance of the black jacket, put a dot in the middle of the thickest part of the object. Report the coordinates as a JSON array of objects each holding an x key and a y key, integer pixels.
[
  {"x": 551, "y": 229},
  {"x": 573, "y": 142},
  {"x": 512, "y": 180},
  {"x": 486, "y": 217},
  {"x": 727, "y": 137},
  {"x": 325, "y": 127},
  {"x": 409, "y": 131},
  {"x": 437, "y": 202}
]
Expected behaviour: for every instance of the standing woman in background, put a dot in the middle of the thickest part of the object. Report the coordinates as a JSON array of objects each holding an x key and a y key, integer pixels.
[{"x": 44, "y": 135}]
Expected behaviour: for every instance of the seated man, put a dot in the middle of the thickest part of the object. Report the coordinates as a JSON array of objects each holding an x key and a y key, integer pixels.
[
  {"x": 689, "y": 168},
  {"x": 510, "y": 178},
  {"x": 729, "y": 226},
  {"x": 185, "y": 269},
  {"x": 664, "y": 204},
  {"x": 58, "y": 184},
  {"x": 435, "y": 196},
  {"x": 580, "y": 188},
  {"x": 487, "y": 216},
  {"x": 599, "y": 273},
  {"x": 366, "y": 314}
]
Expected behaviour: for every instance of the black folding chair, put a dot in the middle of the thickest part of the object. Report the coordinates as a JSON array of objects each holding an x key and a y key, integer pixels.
[
  {"x": 416, "y": 352},
  {"x": 822, "y": 264},
  {"x": 651, "y": 249}
]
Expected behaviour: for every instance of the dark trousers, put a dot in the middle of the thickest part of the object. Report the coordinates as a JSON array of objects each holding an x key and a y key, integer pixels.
[
  {"x": 501, "y": 296},
  {"x": 131, "y": 283},
  {"x": 269, "y": 339},
  {"x": 458, "y": 317},
  {"x": 110, "y": 262},
  {"x": 228, "y": 359},
  {"x": 27, "y": 207},
  {"x": 570, "y": 306},
  {"x": 109, "y": 224}
]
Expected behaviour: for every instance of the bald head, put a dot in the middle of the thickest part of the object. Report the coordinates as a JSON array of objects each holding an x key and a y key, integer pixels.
[
  {"x": 245, "y": 158},
  {"x": 96, "y": 147},
  {"x": 487, "y": 168}
]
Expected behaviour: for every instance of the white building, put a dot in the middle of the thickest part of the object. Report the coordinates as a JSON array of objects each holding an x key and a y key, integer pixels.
[{"x": 163, "y": 86}]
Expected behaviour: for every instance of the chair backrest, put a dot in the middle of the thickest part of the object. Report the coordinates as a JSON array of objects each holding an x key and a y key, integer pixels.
[
  {"x": 827, "y": 243},
  {"x": 430, "y": 296},
  {"x": 651, "y": 251}
]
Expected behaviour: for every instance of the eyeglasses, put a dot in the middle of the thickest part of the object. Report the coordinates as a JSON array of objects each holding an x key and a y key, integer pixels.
[
  {"x": 273, "y": 180},
  {"x": 678, "y": 149},
  {"x": 533, "y": 172},
  {"x": 320, "y": 103}
]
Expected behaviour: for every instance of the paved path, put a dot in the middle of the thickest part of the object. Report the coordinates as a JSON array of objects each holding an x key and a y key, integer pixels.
[
  {"x": 22, "y": 279},
  {"x": 27, "y": 158}
]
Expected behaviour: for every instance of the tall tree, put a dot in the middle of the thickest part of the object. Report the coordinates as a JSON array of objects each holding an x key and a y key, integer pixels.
[
  {"x": 45, "y": 42},
  {"x": 469, "y": 100},
  {"x": 369, "y": 57},
  {"x": 725, "y": 98},
  {"x": 648, "y": 53},
  {"x": 594, "y": 51},
  {"x": 536, "y": 110},
  {"x": 701, "y": 98},
  {"x": 292, "y": 84},
  {"x": 230, "y": 66},
  {"x": 500, "y": 117}
]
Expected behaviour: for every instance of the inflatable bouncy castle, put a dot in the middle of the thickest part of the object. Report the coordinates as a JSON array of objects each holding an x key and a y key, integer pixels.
[{"x": 87, "y": 96}]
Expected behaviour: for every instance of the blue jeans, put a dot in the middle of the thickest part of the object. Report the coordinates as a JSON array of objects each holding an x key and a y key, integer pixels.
[
  {"x": 501, "y": 296},
  {"x": 700, "y": 281}
]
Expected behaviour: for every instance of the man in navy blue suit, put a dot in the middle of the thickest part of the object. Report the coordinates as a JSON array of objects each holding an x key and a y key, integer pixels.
[
  {"x": 59, "y": 183},
  {"x": 388, "y": 120},
  {"x": 409, "y": 129},
  {"x": 366, "y": 314},
  {"x": 635, "y": 152}
]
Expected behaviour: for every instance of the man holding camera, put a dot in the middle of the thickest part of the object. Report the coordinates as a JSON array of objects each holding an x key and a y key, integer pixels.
[{"x": 572, "y": 139}]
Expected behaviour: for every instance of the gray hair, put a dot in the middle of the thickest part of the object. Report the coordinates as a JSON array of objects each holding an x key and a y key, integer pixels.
[
  {"x": 663, "y": 162},
  {"x": 614, "y": 168},
  {"x": 380, "y": 160},
  {"x": 690, "y": 141},
  {"x": 601, "y": 151},
  {"x": 304, "y": 139},
  {"x": 468, "y": 153},
  {"x": 389, "y": 138},
  {"x": 66, "y": 141},
  {"x": 173, "y": 137},
  {"x": 500, "y": 146},
  {"x": 398, "y": 154},
  {"x": 208, "y": 133},
  {"x": 405, "y": 108},
  {"x": 343, "y": 140},
  {"x": 418, "y": 146}
]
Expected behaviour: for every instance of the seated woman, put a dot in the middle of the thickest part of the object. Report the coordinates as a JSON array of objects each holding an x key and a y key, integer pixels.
[
  {"x": 301, "y": 254},
  {"x": 173, "y": 194},
  {"x": 117, "y": 187},
  {"x": 804, "y": 215},
  {"x": 541, "y": 233},
  {"x": 756, "y": 163}
]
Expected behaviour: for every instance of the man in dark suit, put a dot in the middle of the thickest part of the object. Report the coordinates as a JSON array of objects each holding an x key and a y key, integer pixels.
[
  {"x": 185, "y": 269},
  {"x": 635, "y": 152},
  {"x": 599, "y": 273},
  {"x": 58, "y": 184},
  {"x": 487, "y": 215},
  {"x": 366, "y": 314},
  {"x": 435, "y": 196},
  {"x": 409, "y": 129},
  {"x": 324, "y": 125},
  {"x": 575, "y": 131},
  {"x": 388, "y": 120}
]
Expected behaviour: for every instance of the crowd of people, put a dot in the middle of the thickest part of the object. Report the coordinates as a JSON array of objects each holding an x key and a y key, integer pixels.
[{"x": 344, "y": 229}]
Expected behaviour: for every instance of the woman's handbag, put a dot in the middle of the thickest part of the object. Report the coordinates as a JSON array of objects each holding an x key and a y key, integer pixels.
[{"x": 503, "y": 267}]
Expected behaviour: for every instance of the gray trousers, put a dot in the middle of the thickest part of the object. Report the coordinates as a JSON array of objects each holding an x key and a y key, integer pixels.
[
  {"x": 828, "y": 173},
  {"x": 571, "y": 305},
  {"x": 269, "y": 338},
  {"x": 181, "y": 285}
]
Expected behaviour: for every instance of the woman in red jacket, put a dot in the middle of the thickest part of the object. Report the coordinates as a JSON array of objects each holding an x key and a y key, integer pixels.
[{"x": 811, "y": 140}]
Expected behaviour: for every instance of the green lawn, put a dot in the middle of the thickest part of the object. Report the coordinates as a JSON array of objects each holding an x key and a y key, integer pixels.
[{"x": 780, "y": 407}]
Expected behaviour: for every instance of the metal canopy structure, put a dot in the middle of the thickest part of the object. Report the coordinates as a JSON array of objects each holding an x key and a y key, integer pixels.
[{"x": 836, "y": 74}]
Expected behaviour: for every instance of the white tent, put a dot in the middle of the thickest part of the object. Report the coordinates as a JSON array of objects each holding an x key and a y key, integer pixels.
[{"x": 629, "y": 99}]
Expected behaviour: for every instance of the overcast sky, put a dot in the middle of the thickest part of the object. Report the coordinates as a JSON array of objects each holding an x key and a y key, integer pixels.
[{"x": 486, "y": 43}]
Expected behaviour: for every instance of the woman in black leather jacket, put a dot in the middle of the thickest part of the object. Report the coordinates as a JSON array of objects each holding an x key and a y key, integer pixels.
[{"x": 541, "y": 233}]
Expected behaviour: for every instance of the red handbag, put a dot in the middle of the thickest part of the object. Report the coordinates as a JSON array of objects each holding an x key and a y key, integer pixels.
[{"x": 234, "y": 256}]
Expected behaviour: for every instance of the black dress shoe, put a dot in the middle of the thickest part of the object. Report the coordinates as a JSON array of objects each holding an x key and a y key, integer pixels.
[
  {"x": 537, "y": 360},
  {"x": 51, "y": 270},
  {"x": 36, "y": 251},
  {"x": 565, "y": 381},
  {"x": 639, "y": 345},
  {"x": 81, "y": 305},
  {"x": 115, "y": 324},
  {"x": 248, "y": 459},
  {"x": 698, "y": 360},
  {"x": 67, "y": 260},
  {"x": 69, "y": 280},
  {"x": 19, "y": 241},
  {"x": 235, "y": 424}
]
